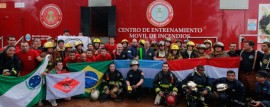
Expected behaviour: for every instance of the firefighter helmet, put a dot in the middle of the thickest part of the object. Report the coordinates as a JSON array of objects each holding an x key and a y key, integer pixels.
[
  {"x": 202, "y": 46},
  {"x": 94, "y": 94},
  {"x": 96, "y": 40},
  {"x": 222, "y": 87},
  {"x": 208, "y": 41},
  {"x": 170, "y": 100},
  {"x": 124, "y": 40},
  {"x": 190, "y": 43},
  {"x": 219, "y": 44},
  {"x": 178, "y": 40},
  {"x": 192, "y": 85},
  {"x": 186, "y": 41},
  {"x": 168, "y": 39},
  {"x": 48, "y": 45},
  {"x": 161, "y": 43},
  {"x": 174, "y": 47},
  {"x": 142, "y": 41},
  {"x": 78, "y": 43},
  {"x": 134, "y": 62},
  {"x": 68, "y": 45}
]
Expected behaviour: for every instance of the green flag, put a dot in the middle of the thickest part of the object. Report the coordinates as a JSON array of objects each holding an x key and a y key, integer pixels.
[{"x": 93, "y": 72}]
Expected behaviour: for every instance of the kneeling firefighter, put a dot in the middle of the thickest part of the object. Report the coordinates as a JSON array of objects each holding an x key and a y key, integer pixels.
[{"x": 165, "y": 84}]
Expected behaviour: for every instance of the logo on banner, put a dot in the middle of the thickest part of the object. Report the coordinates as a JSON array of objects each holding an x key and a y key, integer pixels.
[
  {"x": 51, "y": 16},
  {"x": 159, "y": 13},
  {"x": 66, "y": 85},
  {"x": 34, "y": 82}
]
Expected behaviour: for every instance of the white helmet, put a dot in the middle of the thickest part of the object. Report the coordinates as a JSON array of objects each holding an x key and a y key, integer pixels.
[
  {"x": 94, "y": 94},
  {"x": 192, "y": 85},
  {"x": 222, "y": 87}
]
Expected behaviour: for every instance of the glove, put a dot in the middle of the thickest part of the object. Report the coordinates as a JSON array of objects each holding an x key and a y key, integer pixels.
[{"x": 129, "y": 88}]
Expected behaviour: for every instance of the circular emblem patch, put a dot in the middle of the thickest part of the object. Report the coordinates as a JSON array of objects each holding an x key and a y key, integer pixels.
[
  {"x": 34, "y": 82},
  {"x": 51, "y": 16},
  {"x": 159, "y": 13},
  {"x": 91, "y": 79},
  {"x": 27, "y": 37}
]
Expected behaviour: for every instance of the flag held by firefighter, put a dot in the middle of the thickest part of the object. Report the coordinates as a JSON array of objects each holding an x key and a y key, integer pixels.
[{"x": 64, "y": 85}]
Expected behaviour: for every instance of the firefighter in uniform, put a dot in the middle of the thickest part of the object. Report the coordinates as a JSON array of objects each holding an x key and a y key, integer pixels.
[
  {"x": 201, "y": 51},
  {"x": 124, "y": 42},
  {"x": 48, "y": 50},
  {"x": 168, "y": 42},
  {"x": 218, "y": 51},
  {"x": 68, "y": 48},
  {"x": 96, "y": 42},
  {"x": 262, "y": 90},
  {"x": 230, "y": 92},
  {"x": 112, "y": 84},
  {"x": 197, "y": 88},
  {"x": 208, "y": 44},
  {"x": 165, "y": 84},
  {"x": 190, "y": 52},
  {"x": 79, "y": 47},
  {"x": 134, "y": 81},
  {"x": 161, "y": 52},
  {"x": 175, "y": 53}
]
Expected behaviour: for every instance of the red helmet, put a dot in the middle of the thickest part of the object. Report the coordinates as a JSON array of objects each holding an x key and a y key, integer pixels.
[{"x": 170, "y": 99}]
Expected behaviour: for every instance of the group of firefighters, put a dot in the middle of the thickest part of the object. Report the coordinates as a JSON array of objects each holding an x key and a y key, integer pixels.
[{"x": 197, "y": 87}]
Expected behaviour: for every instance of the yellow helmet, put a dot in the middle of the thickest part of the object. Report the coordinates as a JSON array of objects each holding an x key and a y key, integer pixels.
[
  {"x": 174, "y": 47},
  {"x": 208, "y": 41},
  {"x": 68, "y": 45},
  {"x": 48, "y": 45},
  {"x": 96, "y": 40},
  {"x": 142, "y": 41},
  {"x": 78, "y": 43},
  {"x": 191, "y": 43},
  {"x": 124, "y": 40}
]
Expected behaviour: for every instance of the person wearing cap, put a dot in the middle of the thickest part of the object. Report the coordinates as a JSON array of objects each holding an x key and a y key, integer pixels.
[
  {"x": 161, "y": 52},
  {"x": 10, "y": 64},
  {"x": 165, "y": 83},
  {"x": 231, "y": 95},
  {"x": 66, "y": 32},
  {"x": 146, "y": 53},
  {"x": 174, "y": 53},
  {"x": 250, "y": 60},
  {"x": 120, "y": 54},
  {"x": 112, "y": 80},
  {"x": 190, "y": 52},
  {"x": 133, "y": 49},
  {"x": 218, "y": 51},
  {"x": 265, "y": 46},
  {"x": 201, "y": 51},
  {"x": 262, "y": 98},
  {"x": 124, "y": 42},
  {"x": 103, "y": 55},
  {"x": 79, "y": 47},
  {"x": 168, "y": 42},
  {"x": 134, "y": 81},
  {"x": 111, "y": 45},
  {"x": 208, "y": 44},
  {"x": 233, "y": 52},
  {"x": 203, "y": 93}
]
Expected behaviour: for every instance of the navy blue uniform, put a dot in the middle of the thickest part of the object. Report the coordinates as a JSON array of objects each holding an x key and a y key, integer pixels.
[
  {"x": 263, "y": 93},
  {"x": 203, "y": 83},
  {"x": 133, "y": 51},
  {"x": 123, "y": 55},
  {"x": 134, "y": 77},
  {"x": 234, "y": 96},
  {"x": 147, "y": 55}
]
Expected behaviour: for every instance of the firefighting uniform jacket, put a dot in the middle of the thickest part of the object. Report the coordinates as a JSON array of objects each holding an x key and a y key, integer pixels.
[
  {"x": 165, "y": 81},
  {"x": 111, "y": 79}
]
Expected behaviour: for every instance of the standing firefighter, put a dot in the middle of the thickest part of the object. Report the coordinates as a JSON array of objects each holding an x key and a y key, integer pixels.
[
  {"x": 197, "y": 88},
  {"x": 165, "y": 85},
  {"x": 134, "y": 81},
  {"x": 112, "y": 85}
]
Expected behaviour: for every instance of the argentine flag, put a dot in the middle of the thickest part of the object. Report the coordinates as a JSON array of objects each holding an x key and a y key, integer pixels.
[{"x": 22, "y": 91}]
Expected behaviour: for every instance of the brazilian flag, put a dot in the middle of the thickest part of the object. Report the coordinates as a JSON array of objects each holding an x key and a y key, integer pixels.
[{"x": 93, "y": 73}]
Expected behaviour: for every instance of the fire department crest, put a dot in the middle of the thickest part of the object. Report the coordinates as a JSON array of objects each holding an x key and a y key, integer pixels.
[
  {"x": 51, "y": 16},
  {"x": 159, "y": 13}
]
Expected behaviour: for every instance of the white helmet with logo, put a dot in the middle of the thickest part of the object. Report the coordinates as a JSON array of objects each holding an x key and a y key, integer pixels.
[
  {"x": 94, "y": 94},
  {"x": 222, "y": 87}
]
